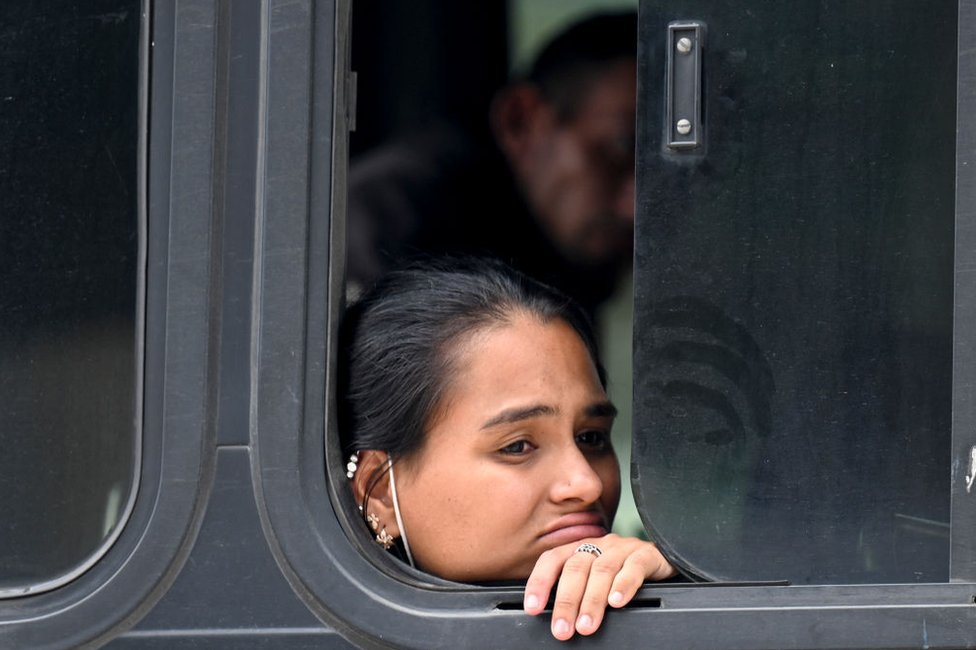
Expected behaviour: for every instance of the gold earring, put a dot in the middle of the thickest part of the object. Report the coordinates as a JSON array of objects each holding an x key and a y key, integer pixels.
[{"x": 373, "y": 521}]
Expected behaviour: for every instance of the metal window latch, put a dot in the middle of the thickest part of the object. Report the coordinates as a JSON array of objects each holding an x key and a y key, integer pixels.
[{"x": 683, "y": 96}]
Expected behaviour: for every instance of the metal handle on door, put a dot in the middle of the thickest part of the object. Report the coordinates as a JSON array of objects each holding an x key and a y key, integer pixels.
[{"x": 683, "y": 100}]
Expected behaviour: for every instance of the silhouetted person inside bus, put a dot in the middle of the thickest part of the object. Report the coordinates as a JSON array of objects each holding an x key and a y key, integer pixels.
[{"x": 548, "y": 186}]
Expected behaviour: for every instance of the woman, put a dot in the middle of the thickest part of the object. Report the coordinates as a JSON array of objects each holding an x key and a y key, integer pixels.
[{"x": 475, "y": 415}]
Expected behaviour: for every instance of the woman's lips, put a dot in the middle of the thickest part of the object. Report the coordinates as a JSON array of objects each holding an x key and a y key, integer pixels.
[{"x": 574, "y": 527}]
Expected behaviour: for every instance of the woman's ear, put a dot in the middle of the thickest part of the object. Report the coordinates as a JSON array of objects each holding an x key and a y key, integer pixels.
[
  {"x": 372, "y": 482},
  {"x": 519, "y": 115}
]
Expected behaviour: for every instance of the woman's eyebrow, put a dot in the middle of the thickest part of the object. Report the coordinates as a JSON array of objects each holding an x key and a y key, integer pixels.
[
  {"x": 602, "y": 410},
  {"x": 518, "y": 414}
]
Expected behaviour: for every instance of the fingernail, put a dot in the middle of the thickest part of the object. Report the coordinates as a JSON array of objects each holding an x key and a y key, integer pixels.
[
  {"x": 560, "y": 627},
  {"x": 531, "y": 601},
  {"x": 616, "y": 598},
  {"x": 584, "y": 622}
]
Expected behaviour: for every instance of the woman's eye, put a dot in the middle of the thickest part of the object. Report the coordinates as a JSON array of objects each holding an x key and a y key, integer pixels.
[
  {"x": 597, "y": 440},
  {"x": 516, "y": 448}
]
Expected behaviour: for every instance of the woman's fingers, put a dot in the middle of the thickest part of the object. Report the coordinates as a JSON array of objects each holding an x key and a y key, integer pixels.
[
  {"x": 604, "y": 572},
  {"x": 573, "y": 583},
  {"x": 543, "y": 577},
  {"x": 637, "y": 568},
  {"x": 587, "y": 583}
]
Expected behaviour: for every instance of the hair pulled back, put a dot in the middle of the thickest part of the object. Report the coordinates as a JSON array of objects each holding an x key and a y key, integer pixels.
[{"x": 399, "y": 342}]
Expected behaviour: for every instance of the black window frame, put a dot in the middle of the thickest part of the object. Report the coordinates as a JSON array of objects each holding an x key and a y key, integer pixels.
[
  {"x": 81, "y": 567},
  {"x": 433, "y": 613},
  {"x": 177, "y": 106}
]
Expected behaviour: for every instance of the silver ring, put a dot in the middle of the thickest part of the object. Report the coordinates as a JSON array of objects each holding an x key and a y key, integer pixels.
[{"x": 586, "y": 547}]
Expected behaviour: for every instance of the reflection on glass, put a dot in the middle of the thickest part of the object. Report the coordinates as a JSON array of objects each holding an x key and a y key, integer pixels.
[
  {"x": 69, "y": 250},
  {"x": 793, "y": 327}
]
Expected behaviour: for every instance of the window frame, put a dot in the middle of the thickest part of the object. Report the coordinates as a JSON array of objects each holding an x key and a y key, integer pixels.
[
  {"x": 109, "y": 540},
  {"x": 177, "y": 82},
  {"x": 962, "y": 552},
  {"x": 374, "y": 602}
]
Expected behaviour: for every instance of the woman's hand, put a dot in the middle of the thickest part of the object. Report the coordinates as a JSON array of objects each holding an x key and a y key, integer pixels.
[{"x": 588, "y": 583}]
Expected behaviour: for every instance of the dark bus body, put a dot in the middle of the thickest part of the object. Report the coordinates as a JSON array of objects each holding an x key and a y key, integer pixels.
[{"x": 224, "y": 520}]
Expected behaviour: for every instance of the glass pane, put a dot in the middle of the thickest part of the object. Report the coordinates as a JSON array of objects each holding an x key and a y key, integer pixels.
[
  {"x": 793, "y": 336},
  {"x": 69, "y": 250}
]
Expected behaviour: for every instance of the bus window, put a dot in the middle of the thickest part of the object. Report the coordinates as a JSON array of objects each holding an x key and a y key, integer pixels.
[
  {"x": 794, "y": 327},
  {"x": 302, "y": 496},
  {"x": 414, "y": 142},
  {"x": 69, "y": 285}
]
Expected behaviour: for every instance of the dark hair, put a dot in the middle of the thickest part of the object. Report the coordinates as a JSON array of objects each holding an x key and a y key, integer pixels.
[
  {"x": 566, "y": 66},
  {"x": 397, "y": 343}
]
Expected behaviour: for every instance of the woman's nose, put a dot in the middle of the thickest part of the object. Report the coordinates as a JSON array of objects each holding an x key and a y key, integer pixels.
[{"x": 575, "y": 479}]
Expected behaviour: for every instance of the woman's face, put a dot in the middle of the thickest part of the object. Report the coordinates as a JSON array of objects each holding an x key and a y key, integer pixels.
[{"x": 518, "y": 458}]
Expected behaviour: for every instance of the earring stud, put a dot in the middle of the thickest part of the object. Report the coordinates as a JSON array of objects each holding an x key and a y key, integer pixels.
[
  {"x": 384, "y": 539},
  {"x": 373, "y": 521},
  {"x": 352, "y": 465}
]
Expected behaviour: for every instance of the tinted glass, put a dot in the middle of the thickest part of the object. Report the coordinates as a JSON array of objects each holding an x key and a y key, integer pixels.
[
  {"x": 793, "y": 327},
  {"x": 69, "y": 249}
]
